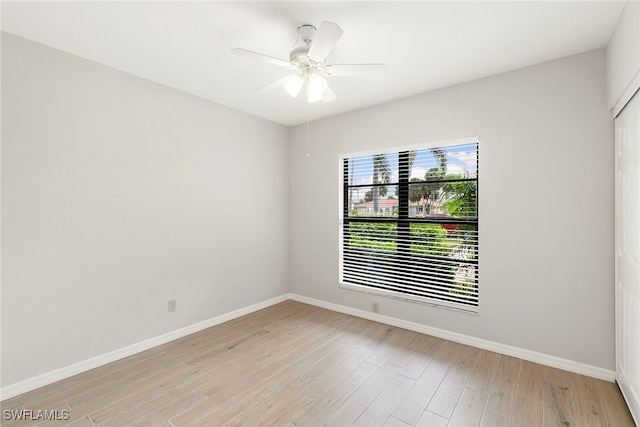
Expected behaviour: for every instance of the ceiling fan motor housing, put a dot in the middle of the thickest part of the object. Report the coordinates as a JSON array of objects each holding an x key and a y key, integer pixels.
[{"x": 299, "y": 56}]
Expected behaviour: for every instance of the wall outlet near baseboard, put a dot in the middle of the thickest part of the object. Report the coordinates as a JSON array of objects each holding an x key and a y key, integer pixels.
[
  {"x": 374, "y": 307},
  {"x": 172, "y": 305}
]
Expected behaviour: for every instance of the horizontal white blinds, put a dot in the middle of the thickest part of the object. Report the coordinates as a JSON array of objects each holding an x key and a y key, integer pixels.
[{"x": 410, "y": 225}]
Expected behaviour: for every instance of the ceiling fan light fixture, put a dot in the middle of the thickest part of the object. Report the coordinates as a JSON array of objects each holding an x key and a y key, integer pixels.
[
  {"x": 316, "y": 86},
  {"x": 328, "y": 95},
  {"x": 293, "y": 85},
  {"x": 308, "y": 58}
]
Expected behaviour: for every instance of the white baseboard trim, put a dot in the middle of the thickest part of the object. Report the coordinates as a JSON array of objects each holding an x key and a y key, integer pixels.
[
  {"x": 94, "y": 362},
  {"x": 97, "y": 361},
  {"x": 632, "y": 400},
  {"x": 532, "y": 356}
]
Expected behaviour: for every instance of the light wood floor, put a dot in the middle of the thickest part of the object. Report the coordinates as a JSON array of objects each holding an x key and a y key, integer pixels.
[{"x": 294, "y": 364}]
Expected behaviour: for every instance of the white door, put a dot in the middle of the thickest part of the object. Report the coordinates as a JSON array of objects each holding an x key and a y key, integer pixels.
[{"x": 628, "y": 253}]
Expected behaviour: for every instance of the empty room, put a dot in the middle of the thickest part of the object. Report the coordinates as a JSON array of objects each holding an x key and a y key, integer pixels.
[{"x": 327, "y": 213}]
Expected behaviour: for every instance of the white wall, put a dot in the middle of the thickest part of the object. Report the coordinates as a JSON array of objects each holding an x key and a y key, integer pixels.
[
  {"x": 546, "y": 204},
  {"x": 623, "y": 57},
  {"x": 119, "y": 194}
]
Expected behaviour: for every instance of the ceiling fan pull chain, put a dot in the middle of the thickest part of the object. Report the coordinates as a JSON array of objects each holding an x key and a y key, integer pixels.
[{"x": 308, "y": 151}]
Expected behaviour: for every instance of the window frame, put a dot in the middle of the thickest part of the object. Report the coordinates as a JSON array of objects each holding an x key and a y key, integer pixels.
[{"x": 403, "y": 199}]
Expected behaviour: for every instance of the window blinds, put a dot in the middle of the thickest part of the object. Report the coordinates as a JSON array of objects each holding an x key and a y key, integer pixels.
[{"x": 409, "y": 224}]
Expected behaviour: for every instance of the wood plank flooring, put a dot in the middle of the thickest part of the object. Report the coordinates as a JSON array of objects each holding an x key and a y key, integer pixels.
[{"x": 295, "y": 364}]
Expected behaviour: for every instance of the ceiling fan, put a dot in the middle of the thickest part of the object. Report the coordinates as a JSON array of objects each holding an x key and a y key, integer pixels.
[{"x": 308, "y": 61}]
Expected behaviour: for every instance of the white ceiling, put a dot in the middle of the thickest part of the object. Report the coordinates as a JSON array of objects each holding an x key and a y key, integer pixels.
[{"x": 425, "y": 45}]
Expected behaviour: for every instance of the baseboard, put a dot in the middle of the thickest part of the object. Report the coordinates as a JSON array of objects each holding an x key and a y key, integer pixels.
[
  {"x": 94, "y": 362},
  {"x": 633, "y": 401},
  {"x": 532, "y": 356}
]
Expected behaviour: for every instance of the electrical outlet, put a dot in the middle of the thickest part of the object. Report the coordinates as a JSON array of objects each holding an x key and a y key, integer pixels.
[
  {"x": 374, "y": 307},
  {"x": 172, "y": 305}
]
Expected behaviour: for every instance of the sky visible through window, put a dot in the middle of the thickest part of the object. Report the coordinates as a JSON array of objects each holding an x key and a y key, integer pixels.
[{"x": 461, "y": 160}]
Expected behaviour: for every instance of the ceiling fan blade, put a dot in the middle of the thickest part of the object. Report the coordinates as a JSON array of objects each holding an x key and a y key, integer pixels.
[
  {"x": 328, "y": 95},
  {"x": 270, "y": 59},
  {"x": 324, "y": 41},
  {"x": 274, "y": 85},
  {"x": 371, "y": 70}
]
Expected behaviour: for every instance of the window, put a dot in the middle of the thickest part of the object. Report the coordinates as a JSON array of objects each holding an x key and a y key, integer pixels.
[{"x": 409, "y": 223}]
